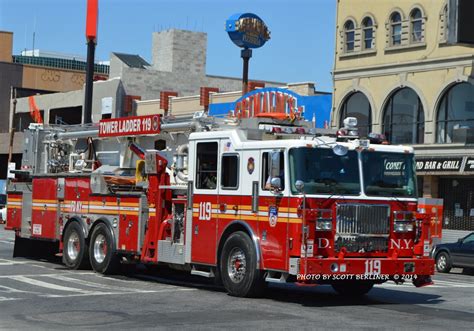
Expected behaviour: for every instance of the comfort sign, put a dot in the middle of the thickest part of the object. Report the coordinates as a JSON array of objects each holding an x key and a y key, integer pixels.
[{"x": 129, "y": 126}]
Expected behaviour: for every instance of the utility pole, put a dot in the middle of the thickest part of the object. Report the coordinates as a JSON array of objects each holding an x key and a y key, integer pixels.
[
  {"x": 12, "y": 126},
  {"x": 91, "y": 37},
  {"x": 245, "y": 54}
]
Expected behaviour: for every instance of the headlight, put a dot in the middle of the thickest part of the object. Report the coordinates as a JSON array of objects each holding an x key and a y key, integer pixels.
[
  {"x": 403, "y": 226},
  {"x": 323, "y": 224}
]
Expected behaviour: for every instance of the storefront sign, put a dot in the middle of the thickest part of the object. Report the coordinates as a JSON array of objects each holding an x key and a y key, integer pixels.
[
  {"x": 247, "y": 30},
  {"x": 450, "y": 164},
  {"x": 268, "y": 100},
  {"x": 469, "y": 166},
  {"x": 129, "y": 126}
]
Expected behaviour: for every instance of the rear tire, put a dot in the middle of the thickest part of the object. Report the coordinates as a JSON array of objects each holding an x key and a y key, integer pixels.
[
  {"x": 443, "y": 262},
  {"x": 352, "y": 288},
  {"x": 238, "y": 267},
  {"x": 75, "y": 247},
  {"x": 102, "y": 252}
]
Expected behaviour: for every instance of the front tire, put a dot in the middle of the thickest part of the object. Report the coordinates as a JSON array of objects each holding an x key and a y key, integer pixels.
[
  {"x": 352, "y": 288},
  {"x": 238, "y": 267},
  {"x": 443, "y": 262},
  {"x": 102, "y": 252},
  {"x": 75, "y": 248}
]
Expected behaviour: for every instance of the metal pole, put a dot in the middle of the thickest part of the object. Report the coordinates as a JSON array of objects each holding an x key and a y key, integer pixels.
[
  {"x": 89, "y": 82},
  {"x": 12, "y": 127},
  {"x": 245, "y": 54}
]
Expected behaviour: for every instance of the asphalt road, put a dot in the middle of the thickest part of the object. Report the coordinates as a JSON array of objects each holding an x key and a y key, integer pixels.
[{"x": 37, "y": 294}]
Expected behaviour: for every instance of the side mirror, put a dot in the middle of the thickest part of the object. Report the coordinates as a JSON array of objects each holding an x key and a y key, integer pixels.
[
  {"x": 460, "y": 240},
  {"x": 275, "y": 183},
  {"x": 299, "y": 185}
]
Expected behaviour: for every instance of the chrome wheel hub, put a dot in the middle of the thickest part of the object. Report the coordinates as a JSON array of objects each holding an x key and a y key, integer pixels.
[
  {"x": 100, "y": 248},
  {"x": 442, "y": 262},
  {"x": 236, "y": 265},
  {"x": 73, "y": 246}
]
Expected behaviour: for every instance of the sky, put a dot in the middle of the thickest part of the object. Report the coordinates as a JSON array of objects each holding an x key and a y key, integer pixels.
[{"x": 301, "y": 47}]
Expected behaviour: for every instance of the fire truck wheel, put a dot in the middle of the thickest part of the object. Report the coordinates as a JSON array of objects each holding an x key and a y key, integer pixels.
[
  {"x": 102, "y": 250},
  {"x": 238, "y": 267},
  {"x": 352, "y": 288},
  {"x": 75, "y": 249},
  {"x": 443, "y": 262}
]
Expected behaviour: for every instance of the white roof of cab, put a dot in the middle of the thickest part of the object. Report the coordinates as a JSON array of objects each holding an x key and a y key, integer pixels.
[{"x": 240, "y": 142}]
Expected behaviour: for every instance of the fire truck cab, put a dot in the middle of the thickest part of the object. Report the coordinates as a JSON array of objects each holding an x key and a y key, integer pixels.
[{"x": 245, "y": 200}]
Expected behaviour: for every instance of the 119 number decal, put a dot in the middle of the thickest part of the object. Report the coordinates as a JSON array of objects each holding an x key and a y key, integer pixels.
[
  {"x": 205, "y": 211},
  {"x": 373, "y": 267}
]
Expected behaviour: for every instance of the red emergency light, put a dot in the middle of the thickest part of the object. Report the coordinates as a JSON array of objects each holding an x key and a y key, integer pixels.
[{"x": 92, "y": 20}]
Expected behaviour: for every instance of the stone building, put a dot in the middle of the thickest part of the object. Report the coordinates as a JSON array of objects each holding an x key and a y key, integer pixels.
[{"x": 395, "y": 73}]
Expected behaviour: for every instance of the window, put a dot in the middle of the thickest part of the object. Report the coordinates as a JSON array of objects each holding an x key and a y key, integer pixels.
[
  {"x": 230, "y": 172},
  {"x": 357, "y": 105},
  {"x": 349, "y": 31},
  {"x": 396, "y": 29},
  {"x": 455, "y": 112},
  {"x": 266, "y": 171},
  {"x": 416, "y": 22},
  {"x": 324, "y": 172},
  {"x": 368, "y": 32},
  {"x": 206, "y": 166},
  {"x": 403, "y": 121},
  {"x": 389, "y": 174}
]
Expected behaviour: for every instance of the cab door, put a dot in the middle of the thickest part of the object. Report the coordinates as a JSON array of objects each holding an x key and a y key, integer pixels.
[
  {"x": 205, "y": 201},
  {"x": 273, "y": 211},
  {"x": 230, "y": 187}
]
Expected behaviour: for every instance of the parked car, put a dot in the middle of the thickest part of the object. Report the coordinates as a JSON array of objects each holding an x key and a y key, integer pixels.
[
  {"x": 3, "y": 214},
  {"x": 455, "y": 255}
]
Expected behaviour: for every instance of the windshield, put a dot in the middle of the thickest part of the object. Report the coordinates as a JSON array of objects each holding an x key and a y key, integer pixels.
[
  {"x": 389, "y": 174},
  {"x": 324, "y": 172}
]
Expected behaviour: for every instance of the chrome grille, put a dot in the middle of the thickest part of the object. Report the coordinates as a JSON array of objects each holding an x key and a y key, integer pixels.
[{"x": 362, "y": 227}]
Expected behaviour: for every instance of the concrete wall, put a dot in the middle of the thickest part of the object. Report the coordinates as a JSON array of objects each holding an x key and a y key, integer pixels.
[{"x": 179, "y": 51}]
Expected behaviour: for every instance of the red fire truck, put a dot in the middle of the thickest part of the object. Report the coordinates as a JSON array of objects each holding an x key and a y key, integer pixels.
[{"x": 245, "y": 199}]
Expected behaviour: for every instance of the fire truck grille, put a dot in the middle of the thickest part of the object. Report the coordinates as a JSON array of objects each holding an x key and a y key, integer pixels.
[{"x": 362, "y": 228}]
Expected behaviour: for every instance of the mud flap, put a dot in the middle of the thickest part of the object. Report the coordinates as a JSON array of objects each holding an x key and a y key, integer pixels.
[{"x": 35, "y": 249}]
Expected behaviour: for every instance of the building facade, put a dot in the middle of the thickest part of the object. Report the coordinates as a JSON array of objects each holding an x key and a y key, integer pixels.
[
  {"x": 395, "y": 73},
  {"x": 29, "y": 74}
]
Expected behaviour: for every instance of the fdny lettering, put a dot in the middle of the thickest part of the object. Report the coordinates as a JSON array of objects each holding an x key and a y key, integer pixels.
[
  {"x": 76, "y": 206},
  {"x": 401, "y": 243},
  {"x": 205, "y": 211},
  {"x": 323, "y": 243}
]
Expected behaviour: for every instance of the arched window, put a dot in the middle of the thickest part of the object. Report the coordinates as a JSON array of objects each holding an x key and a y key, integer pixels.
[
  {"x": 416, "y": 23},
  {"x": 455, "y": 112},
  {"x": 349, "y": 33},
  {"x": 368, "y": 32},
  {"x": 403, "y": 121},
  {"x": 357, "y": 105},
  {"x": 395, "y": 29}
]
